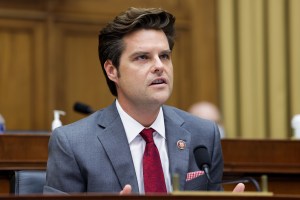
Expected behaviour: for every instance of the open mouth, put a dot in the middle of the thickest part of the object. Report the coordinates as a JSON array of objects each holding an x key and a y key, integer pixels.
[{"x": 159, "y": 81}]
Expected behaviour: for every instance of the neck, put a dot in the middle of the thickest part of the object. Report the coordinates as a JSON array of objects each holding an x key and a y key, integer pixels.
[{"x": 144, "y": 114}]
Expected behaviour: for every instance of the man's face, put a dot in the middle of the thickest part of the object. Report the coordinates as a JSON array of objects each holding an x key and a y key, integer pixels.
[{"x": 146, "y": 70}]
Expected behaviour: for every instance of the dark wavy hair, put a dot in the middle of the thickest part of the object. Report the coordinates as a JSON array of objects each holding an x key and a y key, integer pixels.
[{"x": 111, "y": 44}]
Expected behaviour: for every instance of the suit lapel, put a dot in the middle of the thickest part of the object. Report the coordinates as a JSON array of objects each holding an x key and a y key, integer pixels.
[
  {"x": 114, "y": 140},
  {"x": 178, "y": 159}
]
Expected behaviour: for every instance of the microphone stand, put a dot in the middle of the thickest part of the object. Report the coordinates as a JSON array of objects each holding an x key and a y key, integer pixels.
[{"x": 243, "y": 180}]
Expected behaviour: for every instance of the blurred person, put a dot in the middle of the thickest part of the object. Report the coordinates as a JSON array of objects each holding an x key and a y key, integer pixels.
[{"x": 210, "y": 111}]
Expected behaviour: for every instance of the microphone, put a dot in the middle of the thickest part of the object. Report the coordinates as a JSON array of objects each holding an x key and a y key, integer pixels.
[
  {"x": 203, "y": 160},
  {"x": 82, "y": 108},
  {"x": 204, "y": 163}
]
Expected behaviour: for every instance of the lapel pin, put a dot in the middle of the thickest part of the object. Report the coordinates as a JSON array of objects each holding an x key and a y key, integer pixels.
[{"x": 181, "y": 144}]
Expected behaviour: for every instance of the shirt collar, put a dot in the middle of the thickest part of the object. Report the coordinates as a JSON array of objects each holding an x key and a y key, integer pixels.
[{"x": 133, "y": 128}]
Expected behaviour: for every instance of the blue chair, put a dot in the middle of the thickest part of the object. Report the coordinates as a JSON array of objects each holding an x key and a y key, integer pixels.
[{"x": 27, "y": 182}]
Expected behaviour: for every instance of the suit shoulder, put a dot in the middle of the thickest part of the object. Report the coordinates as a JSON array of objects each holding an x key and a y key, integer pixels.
[
  {"x": 186, "y": 116},
  {"x": 81, "y": 126},
  {"x": 189, "y": 121}
]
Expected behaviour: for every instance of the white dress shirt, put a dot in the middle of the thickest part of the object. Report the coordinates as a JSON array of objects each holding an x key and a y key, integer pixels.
[{"x": 137, "y": 145}]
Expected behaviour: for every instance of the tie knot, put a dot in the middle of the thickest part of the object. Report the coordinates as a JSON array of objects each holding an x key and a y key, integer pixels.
[{"x": 147, "y": 134}]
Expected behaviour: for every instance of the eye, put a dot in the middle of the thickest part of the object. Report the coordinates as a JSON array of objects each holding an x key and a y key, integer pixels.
[
  {"x": 165, "y": 56},
  {"x": 142, "y": 57}
]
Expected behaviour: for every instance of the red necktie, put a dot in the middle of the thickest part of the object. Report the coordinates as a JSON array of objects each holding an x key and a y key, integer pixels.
[{"x": 154, "y": 180}]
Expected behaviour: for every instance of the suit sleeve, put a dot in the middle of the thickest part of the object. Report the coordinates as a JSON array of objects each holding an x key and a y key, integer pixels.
[
  {"x": 216, "y": 170},
  {"x": 63, "y": 172}
]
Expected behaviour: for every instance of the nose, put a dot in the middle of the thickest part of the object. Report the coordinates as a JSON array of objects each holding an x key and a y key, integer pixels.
[{"x": 158, "y": 65}]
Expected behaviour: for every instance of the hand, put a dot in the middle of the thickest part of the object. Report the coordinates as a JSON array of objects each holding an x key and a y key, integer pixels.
[
  {"x": 239, "y": 187},
  {"x": 126, "y": 190}
]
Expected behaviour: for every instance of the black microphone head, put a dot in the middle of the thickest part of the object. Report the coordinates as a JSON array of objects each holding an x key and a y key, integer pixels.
[
  {"x": 82, "y": 108},
  {"x": 202, "y": 156}
]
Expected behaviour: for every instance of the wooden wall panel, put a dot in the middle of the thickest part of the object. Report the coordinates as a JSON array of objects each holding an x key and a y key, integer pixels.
[
  {"x": 294, "y": 44},
  {"x": 182, "y": 88},
  {"x": 228, "y": 63},
  {"x": 80, "y": 74},
  {"x": 204, "y": 71},
  {"x": 260, "y": 65},
  {"x": 251, "y": 68},
  {"x": 22, "y": 75},
  {"x": 277, "y": 71}
]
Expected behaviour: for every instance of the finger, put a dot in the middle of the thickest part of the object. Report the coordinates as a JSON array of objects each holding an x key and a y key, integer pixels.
[
  {"x": 239, "y": 187},
  {"x": 126, "y": 190}
]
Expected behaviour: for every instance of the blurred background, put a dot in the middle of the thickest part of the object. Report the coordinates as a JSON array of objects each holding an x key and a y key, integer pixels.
[{"x": 241, "y": 55}]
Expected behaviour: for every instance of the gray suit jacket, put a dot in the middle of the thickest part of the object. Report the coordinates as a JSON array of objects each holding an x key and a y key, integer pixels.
[{"x": 93, "y": 155}]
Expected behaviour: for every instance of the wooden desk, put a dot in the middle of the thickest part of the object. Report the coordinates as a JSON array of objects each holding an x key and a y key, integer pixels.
[
  {"x": 21, "y": 151},
  {"x": 213, "y": 196},
  {"x": 260, "y": 156},
  {"x": 279, "y": 159}
]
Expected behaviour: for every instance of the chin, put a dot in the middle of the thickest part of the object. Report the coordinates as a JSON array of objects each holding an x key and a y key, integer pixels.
[{"x": 161, "y": 99}]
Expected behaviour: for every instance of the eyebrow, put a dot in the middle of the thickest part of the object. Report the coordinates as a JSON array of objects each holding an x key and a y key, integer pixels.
[
  {"x": 147, "y": 53},
  {"x": 167, "y": 51}
]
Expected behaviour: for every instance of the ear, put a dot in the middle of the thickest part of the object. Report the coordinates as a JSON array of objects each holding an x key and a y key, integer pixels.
[{"x": 111, "y": 71}]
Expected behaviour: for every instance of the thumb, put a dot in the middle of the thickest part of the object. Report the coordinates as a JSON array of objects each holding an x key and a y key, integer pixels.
[
  {"x": 126, "y": 190},
  {"x": 239, "y": 187}
]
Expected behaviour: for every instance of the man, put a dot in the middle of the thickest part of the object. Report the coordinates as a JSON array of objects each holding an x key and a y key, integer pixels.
[{"x": 105, "y": 151}]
